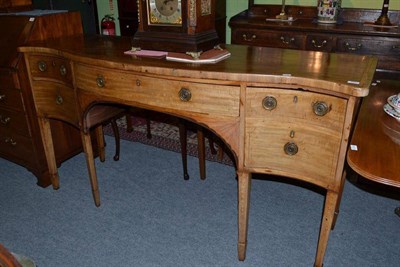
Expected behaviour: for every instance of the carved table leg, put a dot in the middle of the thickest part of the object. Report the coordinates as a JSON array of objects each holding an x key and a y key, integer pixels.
[
  {"x": 100, "y": 143},
  {"x": 45, "y": 131},
  {"x": 244, "y": 185},
  {"x": 331, "y": 200},
  {"x": 87, "y": 147}
]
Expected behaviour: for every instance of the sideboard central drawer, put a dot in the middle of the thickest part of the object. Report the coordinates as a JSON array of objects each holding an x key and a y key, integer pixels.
[{"x": 220, "y": 100}]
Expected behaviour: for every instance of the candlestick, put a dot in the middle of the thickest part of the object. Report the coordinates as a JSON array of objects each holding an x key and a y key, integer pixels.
[{"x": 383, "y": 18}]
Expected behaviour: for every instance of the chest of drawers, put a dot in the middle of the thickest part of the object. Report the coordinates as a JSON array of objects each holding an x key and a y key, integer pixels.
[{"x": 20, "y": 139}]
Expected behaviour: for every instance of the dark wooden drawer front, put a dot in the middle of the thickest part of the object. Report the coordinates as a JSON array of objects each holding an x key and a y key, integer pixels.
[
  {"x": 16, "y": 147},
  {"x": 8, "y": 79},
  {"x": 278, "y": 39},
  {"x": 11, "y": 98},
  {"x": 50, "y": 68},
  {"x": 325, "y": 43},
  {"x": 369, "y": 46},
  {"x": 14, "y": 121}
]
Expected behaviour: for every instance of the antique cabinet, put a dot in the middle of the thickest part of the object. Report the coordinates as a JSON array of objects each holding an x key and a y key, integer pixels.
[
  {"x": 20, "y": 139},
  {"x": 255, "y": 26}
]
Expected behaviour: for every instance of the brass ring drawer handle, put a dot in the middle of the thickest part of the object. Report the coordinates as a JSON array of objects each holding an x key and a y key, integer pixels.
[
  {"x": 4, "y": 120},
  {"x": 269, "y": 103},
  {"x": 42, "y": 66},
  {"x": 2, "y": 97},
  {"x": 350, "y": 48},
  {"x": 319, "y": 45},
  {"x": 100, "y": 81},
  {"x": 287, "y": 40},
  {"x": 291, "y": 148},
  {"x": 320, "y": 108},
  {"x": 252, "y": 38},
  {"x": 184, "y": 94},
  {"x": 10, "y": 141},
  {"x": 63, "y": 70},
  {"x": 59, "y": 100}
]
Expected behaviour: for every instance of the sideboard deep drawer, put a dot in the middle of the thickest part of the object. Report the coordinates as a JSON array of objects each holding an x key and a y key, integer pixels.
[
  {"x": 294, "y": 133},
  {"x": 55, "y": 100},
  {"x": 221, "y": 100}
]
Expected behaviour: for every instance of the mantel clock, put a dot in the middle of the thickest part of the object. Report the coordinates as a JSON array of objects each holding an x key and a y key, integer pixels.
[{"x": 176, "y": 25}]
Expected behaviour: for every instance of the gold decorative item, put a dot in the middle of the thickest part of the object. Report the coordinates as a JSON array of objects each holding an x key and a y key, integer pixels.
[
  {"x": 383, "y": 18},
  {"x": 282, "y": 15}
]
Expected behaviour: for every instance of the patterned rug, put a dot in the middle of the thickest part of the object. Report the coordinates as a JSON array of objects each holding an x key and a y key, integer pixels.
[{"x": 164, "y": 135}]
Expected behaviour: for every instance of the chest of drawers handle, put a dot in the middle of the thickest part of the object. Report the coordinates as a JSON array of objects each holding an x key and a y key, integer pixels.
[
  {"x": 314, "y": 43},
  {"x": 249, "y": 39},
  {"x": 351, "y": 48},
  {"x": 42, "y": 66},
  {"x": 291, "y": 148},
  {"x": 185, "y": 94},
  {"x": 287, "y": 40},
  {"x": 100, "y": 81},
  {"x": 320, "y": 108},
  {"x": 269, "y": 103},
  {"x": 10, "y": 141},
  {"x": 4, "y": 120},
  {"x": 2, "y": 97}
]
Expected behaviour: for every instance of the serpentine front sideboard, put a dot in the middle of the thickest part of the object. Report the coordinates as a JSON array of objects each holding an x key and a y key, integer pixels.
[{"x": 281, "y": 112}]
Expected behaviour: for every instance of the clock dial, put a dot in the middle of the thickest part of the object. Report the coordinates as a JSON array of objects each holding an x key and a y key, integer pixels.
[{"x": 165, "y": 12}]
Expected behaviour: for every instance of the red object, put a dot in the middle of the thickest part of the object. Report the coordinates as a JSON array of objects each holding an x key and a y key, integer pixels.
[{"x": 108, "y": 25}]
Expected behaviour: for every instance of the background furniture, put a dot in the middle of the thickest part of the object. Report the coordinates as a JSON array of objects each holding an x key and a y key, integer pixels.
[
  {"x": 20, "y": 139},
  {"x": 377, "y": 138},
  {"x": 128, "y": 18},
  {"x": 350, "y": 35}
]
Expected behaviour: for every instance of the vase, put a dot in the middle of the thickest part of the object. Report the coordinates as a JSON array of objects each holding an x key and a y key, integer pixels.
[{"x": 328, "y": 11}]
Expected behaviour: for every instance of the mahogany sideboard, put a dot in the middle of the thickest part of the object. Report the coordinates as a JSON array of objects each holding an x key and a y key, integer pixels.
[
  {"x": 350, "y": 35},
  {"x": 20, "y": 139},
  {"x": 279, "y": 111}
]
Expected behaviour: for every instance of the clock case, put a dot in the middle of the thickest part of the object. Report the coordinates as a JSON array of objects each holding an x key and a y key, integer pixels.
[{"x": 197, "y": 32}]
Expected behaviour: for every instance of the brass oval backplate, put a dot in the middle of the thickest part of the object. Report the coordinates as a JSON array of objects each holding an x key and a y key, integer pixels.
[
  {"x": 291, "y": 148},
  {"x": 185, "y": 94},
  {"x": 269, "y": 103}
]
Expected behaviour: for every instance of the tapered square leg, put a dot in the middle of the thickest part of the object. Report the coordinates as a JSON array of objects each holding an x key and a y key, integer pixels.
[{"x": 244, "y": 186}]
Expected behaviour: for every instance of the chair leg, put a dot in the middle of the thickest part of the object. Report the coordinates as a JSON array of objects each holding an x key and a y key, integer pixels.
[
  {"x": 117, "y": 139},
  {"x": 148, "y": 127},
  {"x": 88, "y": 149},
  {"x": 100, "y": 143},
  {"x": 129, "y": 127},
  {"x": 201, "y": 152},
  {"x": 183, "y": 141}
]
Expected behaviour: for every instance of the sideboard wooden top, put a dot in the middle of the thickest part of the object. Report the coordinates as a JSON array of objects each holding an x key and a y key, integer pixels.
[{"x": 258, "y": 66}]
